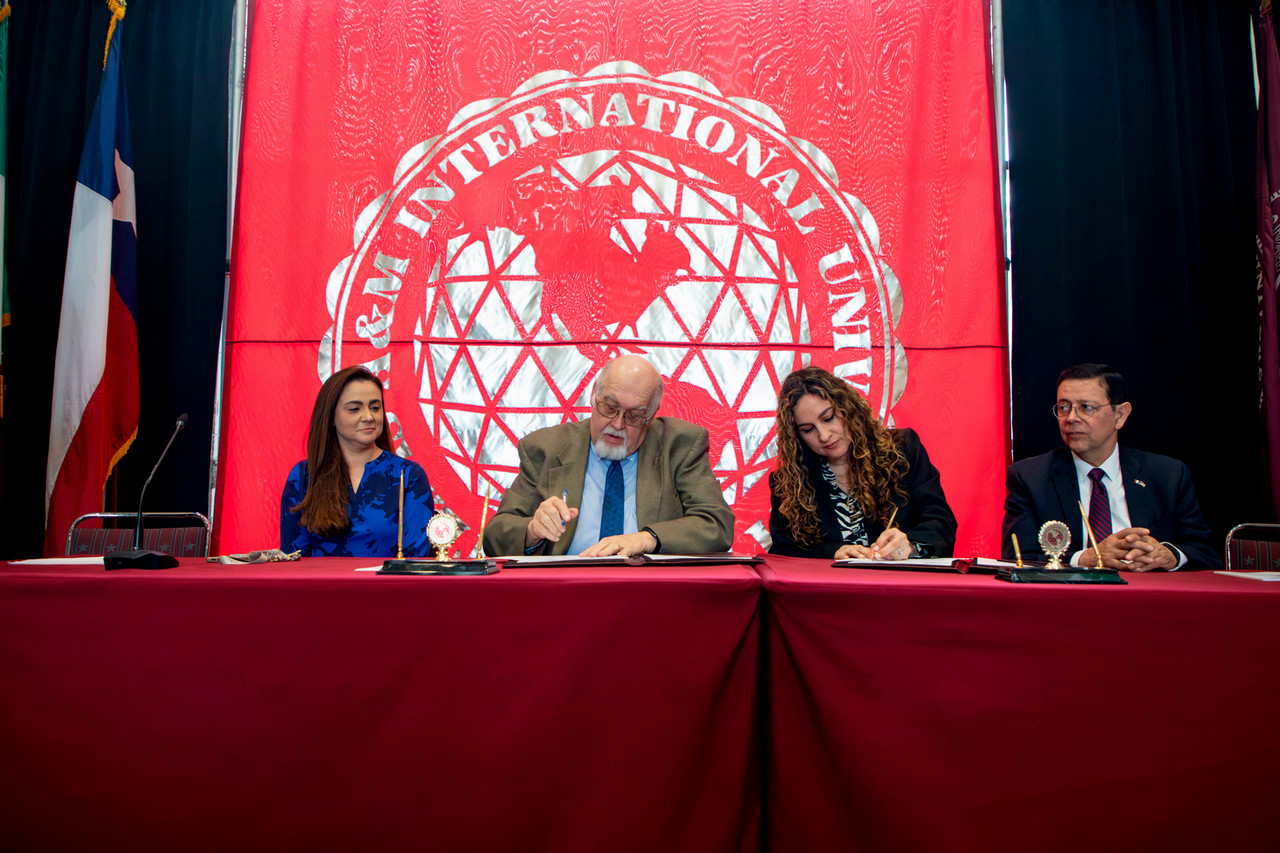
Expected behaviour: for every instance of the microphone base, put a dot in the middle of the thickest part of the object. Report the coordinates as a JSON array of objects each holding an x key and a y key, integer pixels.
[{"x": 139, "y": 560}]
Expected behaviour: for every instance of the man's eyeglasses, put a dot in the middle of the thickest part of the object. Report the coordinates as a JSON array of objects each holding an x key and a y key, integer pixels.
[
  {"x": 631, "y": 417},
  {"x": 1062, "y": 411}
]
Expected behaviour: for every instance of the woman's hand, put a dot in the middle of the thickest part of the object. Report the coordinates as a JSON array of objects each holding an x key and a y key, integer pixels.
[{"x": 892, "y": 545}]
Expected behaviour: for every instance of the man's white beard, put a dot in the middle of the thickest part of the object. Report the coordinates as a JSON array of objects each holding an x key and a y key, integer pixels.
[{"x": 611, "y": 451}]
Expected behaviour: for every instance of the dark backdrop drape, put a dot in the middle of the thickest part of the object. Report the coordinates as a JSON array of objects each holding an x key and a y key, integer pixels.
[
  {"x": 1131, "y": 140},
  {"x": 176, "y": 55}
]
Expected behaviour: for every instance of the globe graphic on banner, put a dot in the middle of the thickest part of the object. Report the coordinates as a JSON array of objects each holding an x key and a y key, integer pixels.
[
  {"x": 501, "y": 292},
  {"x": 701, "y": 267}
]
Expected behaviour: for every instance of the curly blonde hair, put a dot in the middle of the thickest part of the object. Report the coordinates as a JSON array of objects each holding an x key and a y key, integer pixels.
[{"x": 874, "y": 458}]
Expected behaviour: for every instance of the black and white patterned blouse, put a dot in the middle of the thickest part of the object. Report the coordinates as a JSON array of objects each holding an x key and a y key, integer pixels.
[{"x": 853, "y": 529}]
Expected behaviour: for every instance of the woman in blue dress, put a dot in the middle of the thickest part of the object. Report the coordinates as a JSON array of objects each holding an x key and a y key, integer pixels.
[{"x": 343, "y": 499}]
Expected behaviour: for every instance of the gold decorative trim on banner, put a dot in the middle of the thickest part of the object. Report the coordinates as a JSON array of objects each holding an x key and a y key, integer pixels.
[{"x": 117, "y": 8}]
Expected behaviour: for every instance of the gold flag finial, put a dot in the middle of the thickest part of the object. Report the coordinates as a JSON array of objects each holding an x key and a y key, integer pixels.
[{"x": 117, "y": 13}]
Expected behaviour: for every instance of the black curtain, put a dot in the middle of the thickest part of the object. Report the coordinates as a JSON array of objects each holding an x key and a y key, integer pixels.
[
  {"x": 1132, "y": 143},
  {"x": 176, "y": 55}
]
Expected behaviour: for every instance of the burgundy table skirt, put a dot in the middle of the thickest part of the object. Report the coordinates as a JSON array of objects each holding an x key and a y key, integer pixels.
[
  {"x": 932, "y": 712},
  {"x": 306, "y": 706}
]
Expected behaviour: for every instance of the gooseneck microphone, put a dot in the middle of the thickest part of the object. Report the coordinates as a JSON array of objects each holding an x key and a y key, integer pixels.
[{"x": 139, "y": 558}]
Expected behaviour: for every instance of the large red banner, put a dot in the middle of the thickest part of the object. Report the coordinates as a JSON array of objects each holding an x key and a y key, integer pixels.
[{"x": 485, "y": 202}]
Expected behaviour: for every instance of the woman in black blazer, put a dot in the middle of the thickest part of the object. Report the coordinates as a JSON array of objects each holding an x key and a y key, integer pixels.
[{"x": 841, "y": 475}]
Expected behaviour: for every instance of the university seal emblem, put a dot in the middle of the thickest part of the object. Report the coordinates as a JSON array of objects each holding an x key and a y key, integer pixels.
[{"x": 583, "y": 216}]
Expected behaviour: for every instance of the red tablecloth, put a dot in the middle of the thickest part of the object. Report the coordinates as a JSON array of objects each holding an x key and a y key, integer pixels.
[
  {"x": 944, "y": 712},
  {"x": 309, "y": 707}
]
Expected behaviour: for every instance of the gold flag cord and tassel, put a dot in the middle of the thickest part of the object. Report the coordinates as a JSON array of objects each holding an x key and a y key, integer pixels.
[{"x": 117, "y": 8}]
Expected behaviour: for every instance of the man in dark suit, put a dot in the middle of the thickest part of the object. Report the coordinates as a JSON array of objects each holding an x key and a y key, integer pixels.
[
  {"x": 1141, "y": 507},
  {"x": 621, "y": 482}
]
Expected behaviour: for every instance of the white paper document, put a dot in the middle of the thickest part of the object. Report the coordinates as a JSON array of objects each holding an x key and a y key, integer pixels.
[
  {"x": 960, "y": 565},
  {"x": 913, "y": 562},
  {"x": 1257, "y": 576}
]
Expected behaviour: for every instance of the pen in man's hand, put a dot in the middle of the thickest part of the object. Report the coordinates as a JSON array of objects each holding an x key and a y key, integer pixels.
[{"x": 565, "y": 497}]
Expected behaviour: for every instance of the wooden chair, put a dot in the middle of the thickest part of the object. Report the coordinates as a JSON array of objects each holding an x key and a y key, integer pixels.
[
  {"x": 113, "y": 531},
  {"x": 1253, "y": 548}
]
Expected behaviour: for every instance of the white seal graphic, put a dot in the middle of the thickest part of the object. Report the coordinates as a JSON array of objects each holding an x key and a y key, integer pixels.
[{"x": 588, "y": 215}]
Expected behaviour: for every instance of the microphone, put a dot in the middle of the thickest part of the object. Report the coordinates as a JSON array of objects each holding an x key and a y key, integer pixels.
[{"x": 140, "y": 558}]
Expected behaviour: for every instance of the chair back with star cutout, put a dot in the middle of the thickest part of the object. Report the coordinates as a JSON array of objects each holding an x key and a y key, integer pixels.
[{"x": 1253, "y": 548}]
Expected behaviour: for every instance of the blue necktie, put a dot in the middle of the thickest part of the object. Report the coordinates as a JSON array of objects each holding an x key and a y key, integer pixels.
[{"x": 614, "y": 498}]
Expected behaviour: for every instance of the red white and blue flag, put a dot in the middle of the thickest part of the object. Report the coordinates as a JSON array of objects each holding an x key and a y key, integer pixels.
[{"x": 95, "y": 386}]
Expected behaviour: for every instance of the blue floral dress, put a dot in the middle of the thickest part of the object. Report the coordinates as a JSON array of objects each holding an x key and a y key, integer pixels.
[{"x": 372, "y": 511}]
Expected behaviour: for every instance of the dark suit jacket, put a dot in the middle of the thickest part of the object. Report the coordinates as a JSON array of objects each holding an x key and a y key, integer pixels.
[
  {"x": 924, "y": 516},
  {"x": 677, "y": 496},
  {"x": 1157, "y": 489}
]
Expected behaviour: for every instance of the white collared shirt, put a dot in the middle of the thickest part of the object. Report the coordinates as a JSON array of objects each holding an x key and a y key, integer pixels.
[{"x": 1114, "y": 481}]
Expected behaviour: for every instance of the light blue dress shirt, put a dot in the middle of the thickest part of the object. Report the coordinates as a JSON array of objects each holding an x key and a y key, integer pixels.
[{"x": 588, "y": 530}]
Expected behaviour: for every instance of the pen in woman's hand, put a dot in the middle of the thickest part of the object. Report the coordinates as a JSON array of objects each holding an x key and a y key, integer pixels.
[{"x": 875, "y": 550}]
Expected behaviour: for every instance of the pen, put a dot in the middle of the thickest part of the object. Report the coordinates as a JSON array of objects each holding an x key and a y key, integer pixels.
[
  {"x": 484, "y": 515},
  {"x": 875, "y": 552},
  {"x": 1089, "y": 528},
  {"x": 400, "y": 522},
  {"x": 1017, "y": 552},
  {"x": 565, "y": 496}
]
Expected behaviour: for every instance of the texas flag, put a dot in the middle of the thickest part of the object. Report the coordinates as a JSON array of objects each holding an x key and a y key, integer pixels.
[{"x": 95, "y": 384}]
